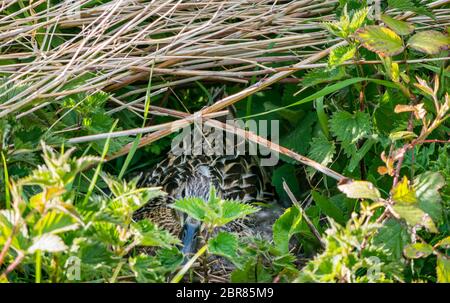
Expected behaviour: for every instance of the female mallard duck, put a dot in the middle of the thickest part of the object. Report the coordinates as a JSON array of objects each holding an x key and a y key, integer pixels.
[{"x": 234, "y": 177}]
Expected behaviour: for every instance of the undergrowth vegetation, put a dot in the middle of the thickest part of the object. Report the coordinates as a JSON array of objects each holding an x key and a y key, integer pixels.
[{"x": 372, "y": 109}]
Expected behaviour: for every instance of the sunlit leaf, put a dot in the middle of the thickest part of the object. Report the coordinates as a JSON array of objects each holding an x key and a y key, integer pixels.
[
  {"x": 404, "y": 193},
  {"x": 443, "y": 269},
  {"x": 49, "y": 243},
  {"x": 341, "y": 54},
  {"x": 418, "y": 250},
  {"x": 55, "y": 222},
  {"x": 381, "y": 40},
  {"x": 398, "y": 26},
  {"x": 359, "y": 189},
  {"x": 429, "y": 42}
]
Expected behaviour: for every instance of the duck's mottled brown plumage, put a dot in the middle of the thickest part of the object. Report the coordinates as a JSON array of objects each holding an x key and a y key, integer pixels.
[{"x": 234, "y": 177}]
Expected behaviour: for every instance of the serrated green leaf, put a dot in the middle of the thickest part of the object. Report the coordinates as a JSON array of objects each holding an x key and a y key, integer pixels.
[
  {"x": 151, "y": 235},
  {"x": 322, "y": 151},
  {"x": 350, "y": 128},
  {"x": 8, "y": 220},
  {"x": 216, "y": 212},
  {"x": 360, "y": 190},
  {"x": 233, "y": 210},
  {"x": 55, "y": 222},
  {"x": 443, "y": 269},
  {"x": 429, "y": 42},
  {"x": 194, "y": 207},
  {"x": 358, "y": 19},
  {"x": 400, "y": 27},
  {"x": 285, "y": 227},
  {"x": 251, "y": 272},
  {"x": 341, "y": 54},
  {"x": 225, "y": 245},
  {"x": 328, "y": 208},
  {"x": 380, "y": 40},
  {"x": 393, "y": 236},
  {"x": 418, "y": 250}
]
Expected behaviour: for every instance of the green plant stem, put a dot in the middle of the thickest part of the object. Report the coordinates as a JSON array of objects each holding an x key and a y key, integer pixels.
[
  {"x": 99, "y": 166},
  {"x": 38, "y": 267},
  {"x": 7, "y": 186},
  {"x": 188, "y": 265}
]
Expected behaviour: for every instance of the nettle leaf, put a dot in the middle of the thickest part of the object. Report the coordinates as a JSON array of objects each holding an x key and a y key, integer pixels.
[
  {"x": 359, "y": 189},
  {"x": 328, "y": 208},
  {"x": 253, "y": 271},
  {"x": 418, "y": 250},
  {"x": 8, "y": 220},
  {"x": 194, "y": 207},
  {"x": 127, "y": 196},
  {"x": 358, "y": 19},
  {"x": 322, "y": 150},
  {"x": 225, "y": 245},
  {"x": 350, "y": 128},
  {"x": 341, "y": 54},
  {"x": 55, "y": 222},
  {"x": 380, "y": 40},
  {"x": 285, "y": 227},
  {"x": 146, "y": 269},
  {"x": 443, "y": 269},
  {"x": 429, "y": 42},
  {"x": 170, "y": 258},
  {"x": 232, "y": 210},
  {"x": 150, "y": 235},
  {"x": 393, "y": 236},
  {"x": 400, "y": 27},
  {"x": 49, "y": 243},
  {"x": 108, "y": 233},
  {"x": 216, "y": 212}
]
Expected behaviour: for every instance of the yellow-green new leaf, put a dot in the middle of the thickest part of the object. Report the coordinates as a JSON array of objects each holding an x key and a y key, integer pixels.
[
  {"x": 359, "y": 190},
  {"x": 403, "y": 193},
  {"x": 429, "y": 42},
  {"x": 380, "y": 40},
  {"x": 443, "y": 269},
  {"x": 341, "y": 54},
  {"x": 400, "y": 27},
  {"x": 418, "y": 250}
]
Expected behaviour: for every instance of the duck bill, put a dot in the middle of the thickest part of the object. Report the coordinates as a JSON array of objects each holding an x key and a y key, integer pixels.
[{"x": 189, "y": 238}]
